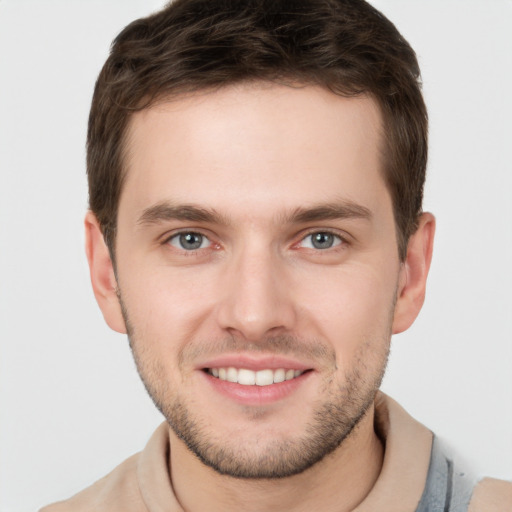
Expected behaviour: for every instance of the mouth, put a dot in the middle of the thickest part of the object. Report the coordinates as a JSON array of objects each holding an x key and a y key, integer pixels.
[
  {"x": 256, "y": 380},
  {"x": 246, "y": 377}
]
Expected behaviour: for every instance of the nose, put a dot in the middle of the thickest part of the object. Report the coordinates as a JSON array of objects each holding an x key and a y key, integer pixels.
[{"x": 256, "y": 296}]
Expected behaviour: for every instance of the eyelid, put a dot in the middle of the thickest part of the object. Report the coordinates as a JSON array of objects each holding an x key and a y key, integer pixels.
[
  {"x": 344, "y": 238},
  {"x": 165, "y": 237},
  {"x": 341, "y": 235},
  {"x": 168, "y": 236},
  {"x": 177, "y": 237}
]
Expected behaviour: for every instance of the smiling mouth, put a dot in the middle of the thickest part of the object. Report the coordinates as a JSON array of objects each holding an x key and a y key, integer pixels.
[{"x": 247, "y": 377}]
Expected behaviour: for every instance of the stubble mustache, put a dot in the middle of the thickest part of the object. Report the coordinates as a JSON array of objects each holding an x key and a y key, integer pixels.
[{"x": 316, "y": 352}]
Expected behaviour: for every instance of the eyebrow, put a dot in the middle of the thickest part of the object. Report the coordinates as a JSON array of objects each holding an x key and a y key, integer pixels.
[
  {"x": 166, "y": 211},
  {"x": 329, "y": 211}
]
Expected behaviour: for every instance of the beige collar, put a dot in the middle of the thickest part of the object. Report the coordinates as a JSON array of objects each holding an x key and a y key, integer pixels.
[
  {"x": 399, "y": 487},
  {"x": 407, "y": 449}
]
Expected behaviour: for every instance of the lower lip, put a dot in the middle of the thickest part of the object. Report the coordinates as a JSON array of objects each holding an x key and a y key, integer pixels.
[{"x": 256, "y": 395}]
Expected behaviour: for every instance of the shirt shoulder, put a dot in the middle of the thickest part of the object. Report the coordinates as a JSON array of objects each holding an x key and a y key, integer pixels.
[
  {"x": 492, "y": 495},
  {"x": 116, "y": 492},
  {"x": 452, "y": 490}
]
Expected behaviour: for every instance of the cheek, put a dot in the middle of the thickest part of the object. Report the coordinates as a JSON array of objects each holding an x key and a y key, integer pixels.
[
  {"x": 166, "y": 304},
  {"x": 349, "y": 306}
]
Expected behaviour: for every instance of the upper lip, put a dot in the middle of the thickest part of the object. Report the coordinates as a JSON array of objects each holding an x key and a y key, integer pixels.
[{"x": 254, "y": 363}]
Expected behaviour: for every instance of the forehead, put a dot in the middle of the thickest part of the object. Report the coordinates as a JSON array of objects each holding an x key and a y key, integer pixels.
[{"x": 254, "y": 146}]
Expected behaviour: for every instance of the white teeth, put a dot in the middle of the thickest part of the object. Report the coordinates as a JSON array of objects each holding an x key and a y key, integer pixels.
[
  {"x": 246, "y": 377},
  {"x": 279, "y": 375},
  {"x": 232, "y": 375},
  {"x": 264, "y": 377},
  {"x": 251, "y": 378}
]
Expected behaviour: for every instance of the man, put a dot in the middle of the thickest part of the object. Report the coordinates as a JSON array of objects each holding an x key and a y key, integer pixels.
[{"x": 255, "y": 174}]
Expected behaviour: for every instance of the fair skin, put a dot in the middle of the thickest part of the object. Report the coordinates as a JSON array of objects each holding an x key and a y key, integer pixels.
[{"x": 256, "y": 233}]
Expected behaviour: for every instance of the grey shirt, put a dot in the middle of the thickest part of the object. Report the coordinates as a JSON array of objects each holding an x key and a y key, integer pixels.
[{"x": 447, "y": 489}]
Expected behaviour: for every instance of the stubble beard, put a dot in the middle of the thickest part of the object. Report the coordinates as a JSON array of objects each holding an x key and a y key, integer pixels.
[{"x": 334, "y": 417}]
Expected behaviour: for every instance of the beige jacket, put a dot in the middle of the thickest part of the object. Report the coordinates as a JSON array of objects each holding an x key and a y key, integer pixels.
[{"x": 142, "y": 482}]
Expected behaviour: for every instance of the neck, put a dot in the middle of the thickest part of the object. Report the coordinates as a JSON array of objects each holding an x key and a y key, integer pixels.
[{"x": 339, "y": 482}]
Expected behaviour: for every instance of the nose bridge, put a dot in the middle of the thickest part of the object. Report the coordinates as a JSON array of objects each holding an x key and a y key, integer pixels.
[{"x": 255, "y": 299}]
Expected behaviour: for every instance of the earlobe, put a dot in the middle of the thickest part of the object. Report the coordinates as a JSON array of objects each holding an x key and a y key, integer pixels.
[
  {"x": 102, "y": 274},
  {"x": 413, "y": 274}
]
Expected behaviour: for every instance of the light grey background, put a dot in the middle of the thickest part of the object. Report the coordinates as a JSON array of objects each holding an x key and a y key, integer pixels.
[{"x": 71, "y": 404}]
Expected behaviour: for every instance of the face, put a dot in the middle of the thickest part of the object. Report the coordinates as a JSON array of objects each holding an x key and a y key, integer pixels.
[{"x": 258, "y": 270}]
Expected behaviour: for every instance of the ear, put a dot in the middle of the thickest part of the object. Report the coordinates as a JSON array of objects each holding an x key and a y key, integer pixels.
[
  {"x": 103, "y": 278},
  {"x": 413, "y": 274}
]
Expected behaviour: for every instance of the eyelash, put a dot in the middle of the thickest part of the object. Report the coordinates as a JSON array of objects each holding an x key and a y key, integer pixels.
[
  {"x": 342, "y": 240},
  {"x": 191, "y": 252}
]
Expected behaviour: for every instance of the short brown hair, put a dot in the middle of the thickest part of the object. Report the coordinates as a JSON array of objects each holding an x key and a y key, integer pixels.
[{"x": 345, "y": 46}]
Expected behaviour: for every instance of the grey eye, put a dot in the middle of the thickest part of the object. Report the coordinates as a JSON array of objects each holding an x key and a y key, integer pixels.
[
  {"x": 189, "y": 241},
  {"x": 321, "y": 240}
]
